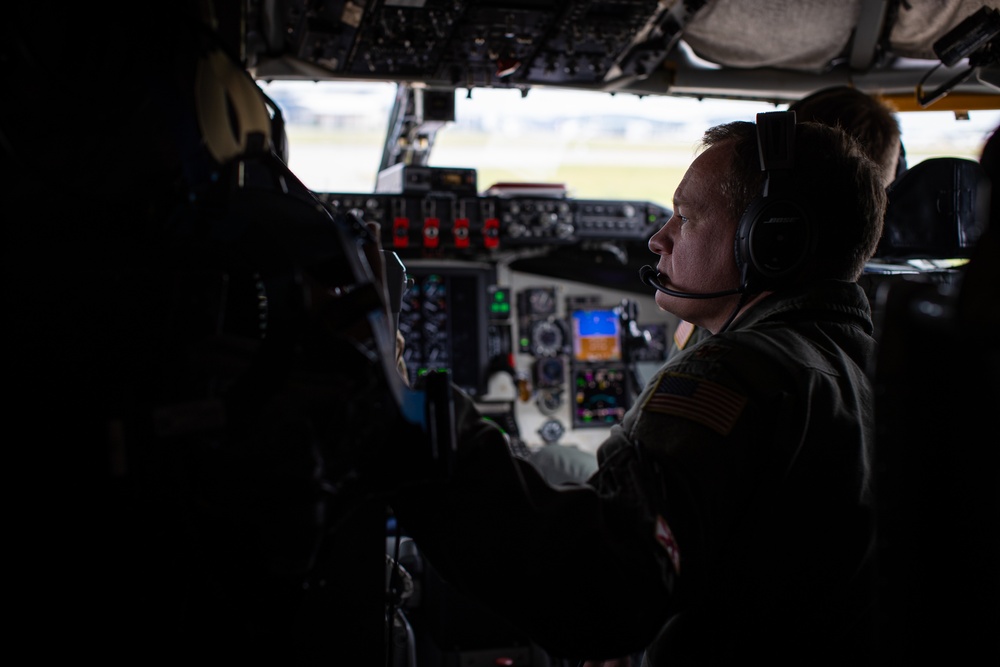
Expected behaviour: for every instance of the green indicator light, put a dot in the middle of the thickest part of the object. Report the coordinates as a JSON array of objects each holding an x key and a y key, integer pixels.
[{"x": 495, "y": 422}]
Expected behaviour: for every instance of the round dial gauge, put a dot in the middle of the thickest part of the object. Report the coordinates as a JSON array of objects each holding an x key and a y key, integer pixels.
[
  {"x": 551, "y": 430},
  {"x": 547, "y": 339},
  {"x": 541, "y": 302}
]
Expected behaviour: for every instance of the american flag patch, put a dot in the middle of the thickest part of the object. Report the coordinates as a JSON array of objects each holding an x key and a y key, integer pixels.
[
  {"x": 682, "y": 333},
  {"x": 703, "y": 401},
  {"x": 666, "y": 539}
]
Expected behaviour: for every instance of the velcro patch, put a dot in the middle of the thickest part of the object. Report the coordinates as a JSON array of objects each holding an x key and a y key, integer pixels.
[
  {"x": 683, "y": 333},
  {"x": 665, "y": 537},
  {"x": 703, "y": 401}
]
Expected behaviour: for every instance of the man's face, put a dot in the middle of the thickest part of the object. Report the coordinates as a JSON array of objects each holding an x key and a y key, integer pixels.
[{"x": 696, "y": 244}]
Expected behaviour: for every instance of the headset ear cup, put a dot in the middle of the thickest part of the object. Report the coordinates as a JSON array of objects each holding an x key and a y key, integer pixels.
[
  {"x": 773, "y": 240},
  {"x": 229, "y": 107},
  {"x": 748, "y": 276}
]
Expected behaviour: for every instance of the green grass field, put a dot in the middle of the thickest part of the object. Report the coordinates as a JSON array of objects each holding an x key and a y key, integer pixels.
[{"x": 590, "y": 168}]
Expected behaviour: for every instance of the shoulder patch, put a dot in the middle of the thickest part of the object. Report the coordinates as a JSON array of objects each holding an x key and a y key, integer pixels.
[
  {"x": 665, "y": 537},
  {"x": 708, "y": 403},
  {"x": 683, "y": 333}
]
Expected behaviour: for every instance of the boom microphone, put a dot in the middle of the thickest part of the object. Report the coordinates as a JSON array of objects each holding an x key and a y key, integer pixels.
[{"x": 648, "y": 275}]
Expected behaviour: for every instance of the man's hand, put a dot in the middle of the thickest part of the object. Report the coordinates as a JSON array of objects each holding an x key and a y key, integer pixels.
[{"x": 373, "y": 253}]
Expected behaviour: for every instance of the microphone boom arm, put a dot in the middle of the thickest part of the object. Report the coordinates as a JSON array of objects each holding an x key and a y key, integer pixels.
[{"x": 648, "y": 275}]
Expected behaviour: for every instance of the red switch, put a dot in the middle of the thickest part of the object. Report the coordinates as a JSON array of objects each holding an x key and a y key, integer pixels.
[
  {"x": 461, "y": 232},
  {"x": 432, "y": 232},
  {"x": 400, "y": 232},
  {"x": 491, "y": 233}
]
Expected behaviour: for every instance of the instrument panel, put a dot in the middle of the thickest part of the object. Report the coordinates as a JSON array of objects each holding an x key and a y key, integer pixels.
[
  {"x": 445, "y": 223},
  {"x": 552, "y": 359},
  {"x": 459, "y": 44}
]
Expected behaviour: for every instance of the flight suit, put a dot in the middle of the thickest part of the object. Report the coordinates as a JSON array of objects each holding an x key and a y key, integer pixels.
[
  {"x": 729, "y": 518},
  {"x": 685, "y": 335}
]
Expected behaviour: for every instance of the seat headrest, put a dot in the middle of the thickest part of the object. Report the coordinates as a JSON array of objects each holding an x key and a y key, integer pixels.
[{"x": 937, "y": 209}]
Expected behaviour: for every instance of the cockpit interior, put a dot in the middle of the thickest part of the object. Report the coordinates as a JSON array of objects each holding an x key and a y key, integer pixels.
[{"x": 205, "y": 399}]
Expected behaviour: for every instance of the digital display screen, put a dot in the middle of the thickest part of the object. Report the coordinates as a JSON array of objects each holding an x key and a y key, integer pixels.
[
  {"x": 600, "y": 395},
  {"x": 596, "y": 335}
]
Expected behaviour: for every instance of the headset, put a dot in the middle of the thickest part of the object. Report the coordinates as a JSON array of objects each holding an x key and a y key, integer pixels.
[{"x": 774, "y": 236}]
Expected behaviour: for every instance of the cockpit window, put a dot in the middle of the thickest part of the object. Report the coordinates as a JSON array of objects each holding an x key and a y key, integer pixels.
[{"x": 595, "y": 145}]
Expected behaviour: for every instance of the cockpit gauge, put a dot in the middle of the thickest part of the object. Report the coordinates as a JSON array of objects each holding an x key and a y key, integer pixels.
[
  {"x": 537, "y": 301},
  {"x": 550, "y": 372},
  {"x": 548, "y": 401},
  {"x": 551, "y": 430},
  {"x": 541, "y": 301},
  {"x": 548, "y": 338},
  {"x": 535, "y": 304}
]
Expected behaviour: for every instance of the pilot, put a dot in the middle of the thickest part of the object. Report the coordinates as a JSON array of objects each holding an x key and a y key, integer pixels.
[
  {"x": 729, "y": 519},
  {"x": 869, "y": 119}
]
